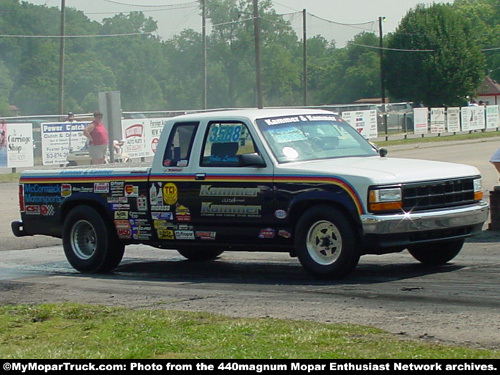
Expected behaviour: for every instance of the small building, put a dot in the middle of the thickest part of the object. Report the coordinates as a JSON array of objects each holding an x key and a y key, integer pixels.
[{"x": 489, "y": 92}]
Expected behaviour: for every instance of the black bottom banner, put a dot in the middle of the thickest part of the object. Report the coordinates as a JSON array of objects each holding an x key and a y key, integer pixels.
[{"x": 256, "y": 366}]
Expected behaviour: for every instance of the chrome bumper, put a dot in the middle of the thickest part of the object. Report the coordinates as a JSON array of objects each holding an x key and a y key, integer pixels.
[{"x": 425, "y": 221}]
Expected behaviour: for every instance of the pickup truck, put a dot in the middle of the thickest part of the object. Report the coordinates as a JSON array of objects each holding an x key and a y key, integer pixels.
[{"x": 300, "y": 181}]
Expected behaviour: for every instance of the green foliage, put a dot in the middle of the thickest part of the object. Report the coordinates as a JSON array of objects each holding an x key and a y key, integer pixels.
[
  {"x": 449, "y": 67},
  {"x": 484, "y": 16},
  {"x": 156, "y": 74}
]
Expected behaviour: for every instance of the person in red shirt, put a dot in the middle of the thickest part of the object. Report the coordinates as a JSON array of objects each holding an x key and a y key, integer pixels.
[{"x": 98, "y": 139}]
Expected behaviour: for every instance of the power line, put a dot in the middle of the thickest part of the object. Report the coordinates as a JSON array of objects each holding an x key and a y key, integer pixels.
[
  {"x": 391, "y": 49},
  {"x": 151, "y": 6},
  {"x": 72, "y": 36}
]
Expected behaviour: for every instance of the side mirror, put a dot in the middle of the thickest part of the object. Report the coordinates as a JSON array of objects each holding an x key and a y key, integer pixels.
[
  {"x": 251, "y": 160},
  {"x": 382, "y": 152}
]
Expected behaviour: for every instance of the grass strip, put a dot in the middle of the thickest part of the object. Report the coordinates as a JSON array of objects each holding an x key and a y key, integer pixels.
[{"x": 75, "y": 331}]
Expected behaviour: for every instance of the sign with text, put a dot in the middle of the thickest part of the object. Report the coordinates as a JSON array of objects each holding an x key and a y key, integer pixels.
[
  {"x": 473, "y": 118},
  {"x": 420, "y": 116},
  {"x": 58, "y": 138},
  {"x": 141, "y": 136},
  {"x": 365, "y": 122},
  {"x": 492, "y": 117},
  {"x": 438, "y": 122},
  {"x": 453, "y": 119},
  {"x": 16, "y": 145}
]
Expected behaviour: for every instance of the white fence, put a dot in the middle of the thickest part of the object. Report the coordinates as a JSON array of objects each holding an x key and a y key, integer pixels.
[{"x": 52, "y": 141}]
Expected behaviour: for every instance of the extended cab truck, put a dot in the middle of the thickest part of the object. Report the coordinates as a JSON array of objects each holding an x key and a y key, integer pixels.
[{"x": 297, "y": 181}]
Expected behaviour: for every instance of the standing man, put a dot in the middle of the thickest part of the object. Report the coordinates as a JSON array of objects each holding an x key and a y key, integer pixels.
[
  {"x": 98, "y": 139},
  {"x": 71, "y": 117}
]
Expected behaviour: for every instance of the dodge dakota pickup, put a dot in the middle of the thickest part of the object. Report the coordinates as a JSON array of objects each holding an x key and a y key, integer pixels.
[{"x": 298, "y": 181}]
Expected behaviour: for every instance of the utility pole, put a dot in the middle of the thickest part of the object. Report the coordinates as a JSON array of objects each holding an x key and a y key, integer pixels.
[
  {"x": 256, "y": 27},
  {"x": 382, "y": 73},
  {"x": 61, "y": 57},
  {"x": 304, "y": 59},
  {"x": 204, "y": 33}
]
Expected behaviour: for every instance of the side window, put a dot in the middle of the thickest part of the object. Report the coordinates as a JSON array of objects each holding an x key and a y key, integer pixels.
[
  {"x": 224, "y": 141},
  {"x": 179, "y": 145}
]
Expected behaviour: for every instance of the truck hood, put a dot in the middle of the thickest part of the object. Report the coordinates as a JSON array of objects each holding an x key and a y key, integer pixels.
[{"x": 378, "y": 170}]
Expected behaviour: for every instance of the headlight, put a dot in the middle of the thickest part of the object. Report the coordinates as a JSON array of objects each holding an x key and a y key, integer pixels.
[
  {"x": 478, "y": 189},
  {"x": 385, "y": 199}
]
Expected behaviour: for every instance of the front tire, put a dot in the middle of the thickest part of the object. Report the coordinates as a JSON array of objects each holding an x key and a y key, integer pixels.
[
  {"x": 90, "y": 243},
  {"x": 438, "y": 253},
  {"x": 326, "y": 244}
]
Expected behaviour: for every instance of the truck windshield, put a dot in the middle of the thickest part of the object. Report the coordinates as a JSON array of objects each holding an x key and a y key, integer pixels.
[{"x": 310, "y": 137}]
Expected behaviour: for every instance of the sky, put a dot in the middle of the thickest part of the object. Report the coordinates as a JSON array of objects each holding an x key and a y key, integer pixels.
[{"x": 325, "y": 15}]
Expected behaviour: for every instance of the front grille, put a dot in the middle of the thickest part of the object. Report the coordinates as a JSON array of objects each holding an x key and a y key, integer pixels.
[{"x": 438, "y": 194}]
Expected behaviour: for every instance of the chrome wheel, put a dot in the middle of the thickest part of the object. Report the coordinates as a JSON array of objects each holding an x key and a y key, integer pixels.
[
  {"x": 324, "y": 242},
  {"x": 83, "y": 239}
]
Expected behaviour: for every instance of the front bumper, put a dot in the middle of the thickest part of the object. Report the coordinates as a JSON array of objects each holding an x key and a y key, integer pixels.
[{"x": 408, "y": 222}]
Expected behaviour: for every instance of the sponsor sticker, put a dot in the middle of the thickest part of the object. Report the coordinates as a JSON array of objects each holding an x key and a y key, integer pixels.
[
  {"x": 101, "y": 187},
  {"x": 267, "y": 233},
  {"x": 142, "y": 203},
  {"x": 121, "y": 215},
  {"x": 166, "y": 234},
  {"x": 65, "y": 190},
  {"x": 170, "y": 193},
  {"x": 184, "y": 235},
  {"x": 124, "y": 233},
  {"x": 284, "y": 233},
  {"x": 182, "y": 214},
  {"x": 47, "y": 210},
  {"x": 33, "y": 210},
  {"x": 131, "y": 191},
  {"x": 162, "y": 215},
  {"x": 205, "y": 235},
  {"x": 280, "y": 214}
]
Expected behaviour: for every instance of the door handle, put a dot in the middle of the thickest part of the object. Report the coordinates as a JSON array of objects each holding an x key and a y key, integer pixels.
[{"x": 200, "y": 176}]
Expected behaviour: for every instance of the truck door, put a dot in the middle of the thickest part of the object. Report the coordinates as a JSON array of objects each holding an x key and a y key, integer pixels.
[{"x": 231, "y": 199}]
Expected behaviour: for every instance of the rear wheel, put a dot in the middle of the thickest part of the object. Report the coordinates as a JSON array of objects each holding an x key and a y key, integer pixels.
[
  {"x": 438, "y": 253},
  {"x": 198, "y": 255},
  {"x": 326, "y": 244},
  {"x": 90, "y": 244}
]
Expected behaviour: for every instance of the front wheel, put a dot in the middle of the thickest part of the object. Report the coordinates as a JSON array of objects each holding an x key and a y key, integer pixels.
[
  {"x": 90, "y": 244},
  {"x": 438, "y": 253},
  {"x": 198, "y": 255},
  {"x": 326, "y": 243}
]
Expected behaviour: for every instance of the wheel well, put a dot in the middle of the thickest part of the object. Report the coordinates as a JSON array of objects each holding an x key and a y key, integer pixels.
[
  {"x": 66, "y": 209},
  {"x": 299, "y": 209}
]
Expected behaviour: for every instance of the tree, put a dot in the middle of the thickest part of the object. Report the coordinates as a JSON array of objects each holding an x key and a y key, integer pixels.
[
  {"x": 349, "y": 73},
  {"x": 432, "y": 58},
  {"x": 484, "y": 16},
  {"x": 5, "y": 88}
]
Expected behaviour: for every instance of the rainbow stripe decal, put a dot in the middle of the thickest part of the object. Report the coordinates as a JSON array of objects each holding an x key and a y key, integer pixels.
[{"x": 144, "y": 178}]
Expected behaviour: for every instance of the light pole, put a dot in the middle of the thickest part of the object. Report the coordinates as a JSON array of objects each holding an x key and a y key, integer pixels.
[
  {"x": 61, "y": 58},
  {"x": 257, "y": 52},
  {"x": 382, "y": 74}
]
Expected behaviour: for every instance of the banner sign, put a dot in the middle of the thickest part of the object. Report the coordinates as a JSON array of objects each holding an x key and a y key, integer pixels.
[
  {"x": 492, "y": 117},
  {"x": 16, "y": 145},
  {"x": 438, "y": 120},
  {"x": 453, "y": 119},
  {"x": 141, "y": 136},
  {"x": 58, "y": 138},
  {"x": 365, "y": 122},
  {"x": 473, "y": 118},
  {"x": 420, "y": 116}
]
